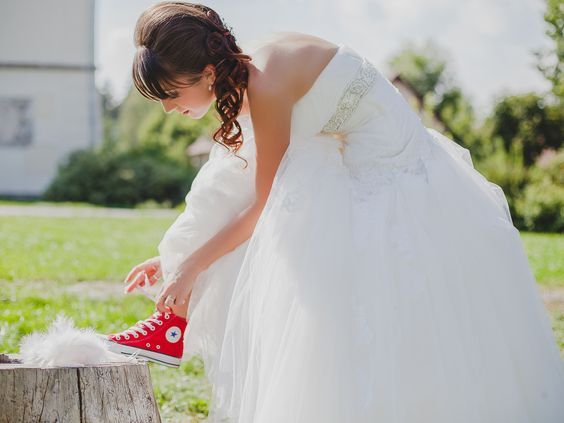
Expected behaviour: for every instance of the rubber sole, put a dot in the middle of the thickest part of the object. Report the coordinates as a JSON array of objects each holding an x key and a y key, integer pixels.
[{"x": 155, "y": 357}]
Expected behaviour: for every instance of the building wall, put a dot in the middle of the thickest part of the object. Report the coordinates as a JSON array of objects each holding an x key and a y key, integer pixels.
[{"x": 49, "y": 105}]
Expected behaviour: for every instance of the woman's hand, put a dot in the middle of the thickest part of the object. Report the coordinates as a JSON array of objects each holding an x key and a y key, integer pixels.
[
  {"x": 180, "y": 287},
  {"x": 149, "y": 270}
]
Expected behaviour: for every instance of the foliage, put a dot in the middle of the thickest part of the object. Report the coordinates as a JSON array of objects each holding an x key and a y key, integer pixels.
[
  {"x": 133, "y": 111},
  {"x": 457, "y": 114},
  {"x": 121, "y": 178},
  {"x": 110, "y": 112},
  {"x": 550, "y": 61},
  {"x": 173, "y": 132},
  {"x": 422, "y": 66},
  {"x": 506, "y": 169},
  {"x": 426, "y": 69},
  {"x": 542, "y": 202},
  {"x": 529, "y": 120},
  {"x": 141, "y": 122}
]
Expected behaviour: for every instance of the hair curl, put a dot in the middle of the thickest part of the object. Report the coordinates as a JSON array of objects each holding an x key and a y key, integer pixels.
[{"x": 178, "y": 39}]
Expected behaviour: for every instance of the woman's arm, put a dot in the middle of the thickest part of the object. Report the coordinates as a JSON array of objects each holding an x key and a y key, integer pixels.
[{"x": 271, "y": 114}]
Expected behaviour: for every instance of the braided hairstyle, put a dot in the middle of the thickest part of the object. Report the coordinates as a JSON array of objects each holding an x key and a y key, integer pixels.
[{"x": 178, "y": 39}]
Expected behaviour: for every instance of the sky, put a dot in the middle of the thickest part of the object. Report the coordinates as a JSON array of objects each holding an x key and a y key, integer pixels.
[{"x": 489, "y": 43}]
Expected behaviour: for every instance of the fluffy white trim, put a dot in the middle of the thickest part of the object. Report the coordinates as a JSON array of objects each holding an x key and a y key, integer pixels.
[{"x": 65, "y": 345}]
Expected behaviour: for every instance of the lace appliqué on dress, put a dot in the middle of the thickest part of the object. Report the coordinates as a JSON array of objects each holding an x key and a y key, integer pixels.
[
  {"x": 368, "y": 180},
  {"x": 353, "y": 93},
  {"x": 363, "y": 79},
  {"x": 293, "y": 201}
]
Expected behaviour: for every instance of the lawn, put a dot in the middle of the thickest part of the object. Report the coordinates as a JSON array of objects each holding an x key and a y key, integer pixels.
[{"x": 76, "y": 265}]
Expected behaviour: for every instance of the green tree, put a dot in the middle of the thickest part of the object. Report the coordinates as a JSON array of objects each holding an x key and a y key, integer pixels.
[
  {"x": 422, "y": 66},
  {"x": 426, "y": 69},
  {"x": 456, "y": 112},
  {"x": 550, "y": 60},
  {"x": 528, "y": 120},
  {"x": 174, "y": 132},
  {"x": 132, "y": 113},
  {"x": 542, "y": 201},
  {"x": 110, "y": 111}
]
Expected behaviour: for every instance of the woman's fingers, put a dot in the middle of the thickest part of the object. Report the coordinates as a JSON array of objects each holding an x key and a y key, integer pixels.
[
  {"x": 138, "y": 280},
  {"x": 148, "y": 271},
  {"x": 133, "y": 273},
  {"x": 160, "y": 305},
  {"x": 156, "y": 276},
  {"x": 150, "y": 267}
]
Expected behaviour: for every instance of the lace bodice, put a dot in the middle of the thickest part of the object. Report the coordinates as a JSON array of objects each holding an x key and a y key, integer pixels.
[
  {"x": 355, "y": 115},
  {"x": 352, "y": 94},
  {"x": 354, "y": 110}
]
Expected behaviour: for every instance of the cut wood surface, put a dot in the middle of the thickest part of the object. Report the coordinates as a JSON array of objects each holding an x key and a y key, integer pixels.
[{"x": 112, "y": 392}]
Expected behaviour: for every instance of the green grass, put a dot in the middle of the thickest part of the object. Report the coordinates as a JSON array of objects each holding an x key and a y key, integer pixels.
[
  {"x": 42, "y": 259},
  {"x": 76, "y": 249},
  {"x": 8, "y": 202},
  {"x": 31, "y": 306},
  {"x": 149, "y": 204},
  {"x": 546, "y": 255}
]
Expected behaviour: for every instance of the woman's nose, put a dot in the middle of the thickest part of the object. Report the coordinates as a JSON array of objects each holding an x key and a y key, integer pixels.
[{"x": 167, "y": 106}]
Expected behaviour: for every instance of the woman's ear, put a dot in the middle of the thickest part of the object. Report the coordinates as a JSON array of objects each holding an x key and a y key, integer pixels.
[{"x": 209, "y": 72}]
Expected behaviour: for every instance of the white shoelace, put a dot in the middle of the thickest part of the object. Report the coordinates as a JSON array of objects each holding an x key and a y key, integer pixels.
[{"x": 139, "y": 327}]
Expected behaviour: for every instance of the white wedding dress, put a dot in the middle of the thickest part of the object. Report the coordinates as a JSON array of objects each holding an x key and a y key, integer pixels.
[{"x": 384, "y": 282}]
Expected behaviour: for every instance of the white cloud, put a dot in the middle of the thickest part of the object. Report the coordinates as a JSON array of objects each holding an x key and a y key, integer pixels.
[{"x": 490, "y": 41}]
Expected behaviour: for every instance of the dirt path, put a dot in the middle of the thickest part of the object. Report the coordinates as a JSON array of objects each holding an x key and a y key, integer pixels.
[
  {"x": 70, "y": 211},
  {"x": 553, "y": 297}
]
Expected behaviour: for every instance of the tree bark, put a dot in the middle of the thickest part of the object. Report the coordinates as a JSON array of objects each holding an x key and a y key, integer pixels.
[{"x": 113, "y": 392}]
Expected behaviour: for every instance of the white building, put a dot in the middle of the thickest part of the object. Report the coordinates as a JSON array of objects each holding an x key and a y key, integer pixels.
[
  {"x": 49, "y": 105},
  {"x": 199, "y": 150}
]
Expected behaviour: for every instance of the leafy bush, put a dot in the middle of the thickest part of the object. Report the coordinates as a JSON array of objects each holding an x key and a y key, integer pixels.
[
  {"x": 121, "y": 178},
  {"x": 529, "y": 119},
  {"x": 542, "y": 203},
  {"x": 507, "y": 170}
]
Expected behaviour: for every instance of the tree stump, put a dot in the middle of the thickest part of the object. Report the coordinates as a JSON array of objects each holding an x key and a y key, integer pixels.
[{"x": 113, "y": 392}]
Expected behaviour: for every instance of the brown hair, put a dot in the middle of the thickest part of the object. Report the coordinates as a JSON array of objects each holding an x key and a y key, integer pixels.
[{"x": 176, "y": 38}]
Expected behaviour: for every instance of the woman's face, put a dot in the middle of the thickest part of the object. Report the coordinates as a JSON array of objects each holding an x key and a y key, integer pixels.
[{"x": 193, "y": 101}]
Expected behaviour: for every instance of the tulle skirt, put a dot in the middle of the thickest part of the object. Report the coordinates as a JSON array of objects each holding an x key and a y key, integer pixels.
[{"x": 395, "y": 293}]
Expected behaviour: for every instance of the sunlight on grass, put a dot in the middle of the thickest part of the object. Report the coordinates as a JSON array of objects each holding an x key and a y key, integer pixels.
[
  {"x": 78, "y": 248},
  {"x": 27, "y": 307},
  {"x": 546, "y": 255},
  {"x": 43, "y": 258}
]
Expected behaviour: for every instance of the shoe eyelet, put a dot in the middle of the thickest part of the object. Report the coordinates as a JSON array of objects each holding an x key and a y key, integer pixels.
[
  {"x": 158, "y": 347},
  {"x": 167, "y": 316},
  {"x": 144, "y": 332},
  {"x": 126, "y": 337},
  {"x": 152, "y": 328},
  {"x": 136, "y": 336},
  {"x": 118, "y": 337},
  {"x": 148, "y": 344},
  {"x": 159, "y": 322}
]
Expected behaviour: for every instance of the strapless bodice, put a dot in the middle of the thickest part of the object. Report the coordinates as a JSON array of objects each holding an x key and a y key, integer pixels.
[{"x": 353, "y": 103}]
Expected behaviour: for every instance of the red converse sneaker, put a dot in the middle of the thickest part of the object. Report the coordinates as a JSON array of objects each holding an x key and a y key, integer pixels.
[{"x": 159, "y": 338}]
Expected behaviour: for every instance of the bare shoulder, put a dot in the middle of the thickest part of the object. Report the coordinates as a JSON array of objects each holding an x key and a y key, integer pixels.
[
  {"x": 282, "y": 70},
  {"x": 286, "y": 65}
]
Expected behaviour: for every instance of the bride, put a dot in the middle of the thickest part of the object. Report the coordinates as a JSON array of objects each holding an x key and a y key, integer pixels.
[{"x": 337, "y": 261}]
